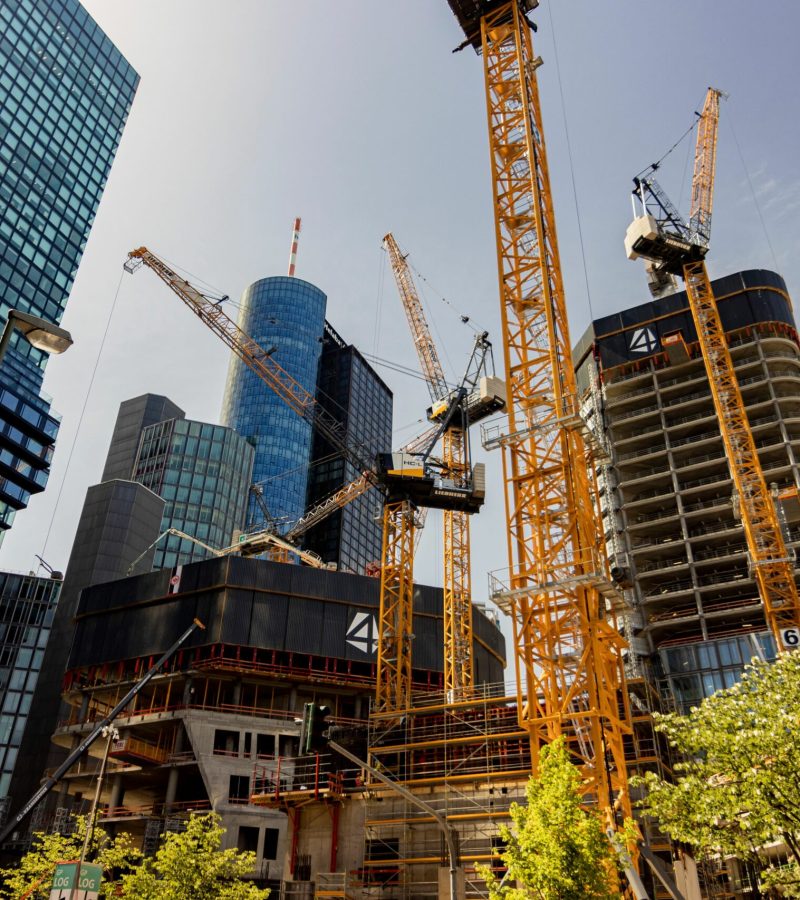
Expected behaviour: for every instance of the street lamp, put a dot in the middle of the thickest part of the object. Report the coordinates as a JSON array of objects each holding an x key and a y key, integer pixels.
[{"x": 39, "y": 332}]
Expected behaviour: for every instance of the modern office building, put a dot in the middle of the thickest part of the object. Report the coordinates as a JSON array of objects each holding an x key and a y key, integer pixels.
[
  {"x": 65, "y": 93},
  {"x": 27, "y": 607},
  {"x": 670, "y": 515},
  {"x": 286, "y": 316},
  {"x": 162, "y": 471},
  {"x": 351, "y": 391},
  {"x": 203, "y": 472}
]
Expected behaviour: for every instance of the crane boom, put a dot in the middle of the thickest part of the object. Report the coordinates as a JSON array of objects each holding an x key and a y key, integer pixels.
[
  {"x": 256, "y": 358},
  {"x": 705, "y": 161},
  {"x": 423, "y": 341},
  {"x": 568, "y": 657}
]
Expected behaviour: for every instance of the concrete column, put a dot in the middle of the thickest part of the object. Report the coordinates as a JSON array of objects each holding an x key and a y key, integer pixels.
[
  {"x": 236, "y": 694},
  {"x": 358, "y": 707},
  {"x": 117, "y": 791},
  {"x": 84, "y": 708},
  {"x": 172, "y": 789},
  {"x": 187, "y": 692}
]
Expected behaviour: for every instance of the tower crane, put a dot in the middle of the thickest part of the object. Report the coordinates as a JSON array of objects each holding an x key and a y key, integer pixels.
[
  {"x": 406, "y": 479},
  {"x": 568, "y": 655},
  {"x": 488, "y": 396},
  {"x": 672, "y": 246}
]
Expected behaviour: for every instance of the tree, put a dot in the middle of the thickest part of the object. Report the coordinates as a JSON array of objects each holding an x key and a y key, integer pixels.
[
  {"x": 556, "y": 849},
  {"x": 191, "y": 866},
  {"x": 35, "y": 870},
  {"x": 736, "y": 788}
]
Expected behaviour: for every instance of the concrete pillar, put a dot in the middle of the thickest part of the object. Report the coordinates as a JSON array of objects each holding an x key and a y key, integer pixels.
[
  {"x": 236, "y": 694},
  {"x": 117, "y": 791},
  {"x": 187, "y": 692},
  {"x": 172, "y": 789},
  {"x": 358, "y": 707},
  {"x": 84, "y": 708}
]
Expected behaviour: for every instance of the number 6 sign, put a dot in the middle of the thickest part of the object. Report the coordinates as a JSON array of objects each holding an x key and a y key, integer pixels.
[{"x": 790, "y": 638}]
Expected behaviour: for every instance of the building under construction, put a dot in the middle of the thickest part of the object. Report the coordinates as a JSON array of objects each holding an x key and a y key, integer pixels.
[
  {"x": 670, "y": 517},
  {"x": 227, "y": 706}
]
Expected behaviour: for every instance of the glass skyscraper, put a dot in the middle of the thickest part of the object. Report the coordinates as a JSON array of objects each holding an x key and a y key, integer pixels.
[
  {"x": 286, "y": 316},
  {"x": 65, "y": 94},
  {"x": 202, "y": 472},
  {"x": 27, "y": 606},
  {"x": 352, "y": 392}
]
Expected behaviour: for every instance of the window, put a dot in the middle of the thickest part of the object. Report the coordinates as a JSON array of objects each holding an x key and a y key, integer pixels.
[
  {"x": 271, "y": 836},
  {"x": 226, "y": 743},
  {"x": 239, "y": 789},
  {"x": 247, "y": 842}
]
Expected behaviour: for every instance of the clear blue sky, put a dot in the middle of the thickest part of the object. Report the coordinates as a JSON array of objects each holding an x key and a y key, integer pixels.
[{"x": 357, "y": 117}]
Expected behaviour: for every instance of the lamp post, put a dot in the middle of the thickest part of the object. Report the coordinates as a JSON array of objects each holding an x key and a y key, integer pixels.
[
  {"x": 110, "y": 734},
  {"x": 38, "y": 332}
]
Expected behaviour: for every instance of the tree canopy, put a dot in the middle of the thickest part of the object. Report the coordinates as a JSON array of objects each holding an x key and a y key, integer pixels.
[
  {"x": 555, "y": 849},
  {"x": 35, "y": 870},
  {"x": 190, "y": 865},
  {"x": 737, "y": 785}
]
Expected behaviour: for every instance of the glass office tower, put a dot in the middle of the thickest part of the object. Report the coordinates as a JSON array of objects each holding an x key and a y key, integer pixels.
[
  {"x": 202, "y": 472},
  {"x": 352, "y": 392},
  {"x": 27, "y": 606},
  {"x": 286, "y": 316},
  {"x": 65, "y": 93}
]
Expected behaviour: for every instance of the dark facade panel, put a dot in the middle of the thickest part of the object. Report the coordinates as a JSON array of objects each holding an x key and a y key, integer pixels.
[
  {"x": 326, "y": 614},
  {"x": 745, "y": 298}
]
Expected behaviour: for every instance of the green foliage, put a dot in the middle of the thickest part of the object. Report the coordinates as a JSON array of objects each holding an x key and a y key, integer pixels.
[
  {"x": 38, "y": 865},
  {"x": 556, "y": 850},
  {"x": 737, "y": 789},
  {"x": 191, "y": 866}
]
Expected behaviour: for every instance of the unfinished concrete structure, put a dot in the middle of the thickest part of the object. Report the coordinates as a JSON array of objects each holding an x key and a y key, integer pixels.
[
  {"x": 227, "y": 706},
  {"x": 670, "y": 514}
]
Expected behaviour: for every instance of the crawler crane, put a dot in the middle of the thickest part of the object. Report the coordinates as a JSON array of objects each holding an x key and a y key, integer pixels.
[
  {"x": 568, "y": 655},
  {"x": 406, "y": 479},
  {"x": 483, "y": 395},
  {"x": 675, "y": 247}
]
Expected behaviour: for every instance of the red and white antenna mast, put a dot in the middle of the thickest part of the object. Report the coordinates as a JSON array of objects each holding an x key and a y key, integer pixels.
[{"x": 293, "y": 252}]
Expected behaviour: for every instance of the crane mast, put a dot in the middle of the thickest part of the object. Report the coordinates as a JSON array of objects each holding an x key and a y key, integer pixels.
[
  {"x": 457, "y": 583},
  {"x": 569, "y": 661},
  {"x": 771, "y": 563}
]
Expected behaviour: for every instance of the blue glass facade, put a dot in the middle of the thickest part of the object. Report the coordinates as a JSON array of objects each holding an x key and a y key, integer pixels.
[
  {"x": 203, "y": 473},
  {"x": 287, "y": 314},
  {"x": 65, "y": 93}
]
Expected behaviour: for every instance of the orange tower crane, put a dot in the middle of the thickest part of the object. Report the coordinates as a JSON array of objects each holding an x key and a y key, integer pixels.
[
  {"x": 674, "y": 247},
  {"x": 569, "y": 656},
  {"x": 407, "y": 479},
  {"x": 488, "y": 396}
]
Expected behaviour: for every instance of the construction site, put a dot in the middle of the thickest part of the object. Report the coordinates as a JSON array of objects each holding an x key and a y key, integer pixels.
[{"x": 360, "y": 733}]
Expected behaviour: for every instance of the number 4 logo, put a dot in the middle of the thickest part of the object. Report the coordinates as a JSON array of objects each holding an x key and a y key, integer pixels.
[{"x": 790, "y": 638}]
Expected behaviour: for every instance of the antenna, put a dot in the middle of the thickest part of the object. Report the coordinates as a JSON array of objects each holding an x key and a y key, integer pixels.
[{"x": 293, "y": 252}]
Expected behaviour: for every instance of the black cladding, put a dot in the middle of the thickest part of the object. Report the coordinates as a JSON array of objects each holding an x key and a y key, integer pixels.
[
  {"x": 255, "y": 603},
  {"x": 745, "y": 298}
]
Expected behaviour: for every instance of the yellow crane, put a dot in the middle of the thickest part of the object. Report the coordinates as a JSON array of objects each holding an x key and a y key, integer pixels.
[
  {"x": 408, "y": 479},
  {"x": 675, "y": 247},
  {"x": 568, "y": 654},
  {"x": 483, "y": 396}
]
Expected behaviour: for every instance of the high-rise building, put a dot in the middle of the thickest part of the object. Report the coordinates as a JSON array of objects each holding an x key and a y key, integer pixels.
[
  {"x": 65, "y": 93},
  {"x": 203, "y": 473},
  {"x": 671, "y": 519},
  {"x": 27, "y": 606},
  {"x": 286, "y": 316},
  {"x": 351, "y": 391},
  {"x": 162, "y": 471}
]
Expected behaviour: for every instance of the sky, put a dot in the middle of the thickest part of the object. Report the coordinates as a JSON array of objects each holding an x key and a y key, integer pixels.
[{"x": 357, "y": 117}]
